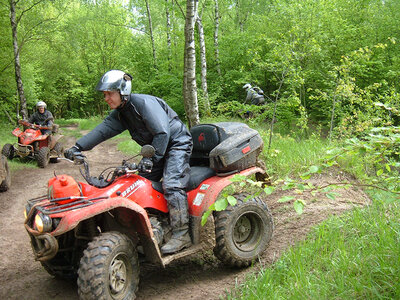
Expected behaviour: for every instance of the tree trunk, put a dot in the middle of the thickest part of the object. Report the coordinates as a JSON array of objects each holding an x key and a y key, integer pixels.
[
  {"x": 203, "y": 65},
  {"x": 17, "y": 64},
  {"x": 189, "y": 73},
  {"x": 169, "y": 47},
  {"x": 216, "y": 46},
  {"x": 151, "y": 34},
  {"x": 240, "y": 16}
]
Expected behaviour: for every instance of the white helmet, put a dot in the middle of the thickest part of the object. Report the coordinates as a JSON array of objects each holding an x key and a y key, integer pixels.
[
  {"x": 40, "y": 104},
  {"x": 115, "y": 80},
  {"x": 247, "y": 86}
]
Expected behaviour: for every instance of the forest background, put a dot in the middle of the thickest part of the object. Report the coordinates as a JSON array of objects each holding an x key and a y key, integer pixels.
[
  {"x": 331, "y": 65},
  {"x": 327, "y": 68}
]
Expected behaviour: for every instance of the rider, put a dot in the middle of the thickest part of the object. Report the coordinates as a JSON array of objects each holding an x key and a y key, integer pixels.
[
  {"x": 255, "y": 95},
  {"x": 42, "y": 117},
  {"x": 149, "y": 120}
]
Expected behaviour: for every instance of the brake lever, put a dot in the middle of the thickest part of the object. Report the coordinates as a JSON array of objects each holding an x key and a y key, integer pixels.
[
  {"x": 64, "y": 158},
  {"x": 79, "y": 159}
]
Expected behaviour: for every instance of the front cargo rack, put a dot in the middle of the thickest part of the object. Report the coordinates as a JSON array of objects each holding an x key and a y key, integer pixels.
[{"x": 53, "y": 208}]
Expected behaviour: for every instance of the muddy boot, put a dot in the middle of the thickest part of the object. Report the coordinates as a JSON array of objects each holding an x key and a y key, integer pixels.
[
  {"x": 180, "y": 239},
  {"x": 179, "y": 219}
]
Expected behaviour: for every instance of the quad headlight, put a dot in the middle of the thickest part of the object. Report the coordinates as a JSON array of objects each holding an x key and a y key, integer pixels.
[
  {"x": 43, "y": 222},
  {"x": 28, "y": 208}
]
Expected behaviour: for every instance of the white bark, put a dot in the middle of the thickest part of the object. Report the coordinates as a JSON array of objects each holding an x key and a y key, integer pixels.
[
  {"x": 169, "y": 47},
  {"x": 189, "y": 75},
  {"x": 17, "y": 64},
  {"x": 203, "y": 65},
  {"x": 216, "y": 32},
  {"x": 151, "y": 34}
]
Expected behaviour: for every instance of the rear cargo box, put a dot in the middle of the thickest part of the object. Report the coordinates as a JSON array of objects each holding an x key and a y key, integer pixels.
[{"x": 225, "y": 147}]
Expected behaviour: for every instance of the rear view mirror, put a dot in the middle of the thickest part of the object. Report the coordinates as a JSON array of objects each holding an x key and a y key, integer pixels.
[{"x": 148, "y": 151}]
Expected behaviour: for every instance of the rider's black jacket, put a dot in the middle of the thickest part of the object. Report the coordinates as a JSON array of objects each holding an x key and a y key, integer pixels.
[
  {"x": 148, "y": 119},
  {"x": 44, "y": 119}
]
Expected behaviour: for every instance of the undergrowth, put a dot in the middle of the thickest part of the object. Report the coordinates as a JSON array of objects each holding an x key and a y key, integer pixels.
[{"x": 355, "y": 256}]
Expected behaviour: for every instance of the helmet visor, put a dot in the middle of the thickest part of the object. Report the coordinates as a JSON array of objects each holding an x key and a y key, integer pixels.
[{"x": 111, "y": 81}]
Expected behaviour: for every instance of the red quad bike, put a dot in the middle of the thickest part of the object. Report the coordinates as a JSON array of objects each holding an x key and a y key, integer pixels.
[
  {"x": 100, "y": 230},
  {"x": 33, "y": 144}
]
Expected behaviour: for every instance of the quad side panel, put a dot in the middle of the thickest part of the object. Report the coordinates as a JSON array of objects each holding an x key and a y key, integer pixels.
[{"x": 207, "y": 193}]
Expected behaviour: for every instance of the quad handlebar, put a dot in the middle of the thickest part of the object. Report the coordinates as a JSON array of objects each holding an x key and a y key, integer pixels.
[
  {"x": 34, "y": 126},
  {"x": 104, "y": 180}
]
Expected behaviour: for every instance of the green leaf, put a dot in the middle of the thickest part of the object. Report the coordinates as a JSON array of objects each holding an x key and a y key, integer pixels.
[
  {"x": 205, "y": 216},
  {"x": 285, "y": 199},
  {"x": 301, "y": 187},
  {"x": 268, "y": 190},
  {"x": 221, "y": 204},
  {"x": 379, "y": 172},
  {"x": 314, "y": 169},
  {"x": 232, "y": 200},
  {"x": 331, "y": 196},
  {"x": 298, "y": 206},
  {"x": 305, "y": 176},
  {"x": 238, "y": 178},
  {"x": 388, "y": 168}
]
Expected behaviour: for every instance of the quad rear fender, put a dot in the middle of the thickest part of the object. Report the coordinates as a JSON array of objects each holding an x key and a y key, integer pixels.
[{"x": 207, "y": 193}]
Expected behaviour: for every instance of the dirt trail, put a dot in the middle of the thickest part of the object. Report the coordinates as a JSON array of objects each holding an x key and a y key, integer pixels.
[{"x": 202, "y": 277}]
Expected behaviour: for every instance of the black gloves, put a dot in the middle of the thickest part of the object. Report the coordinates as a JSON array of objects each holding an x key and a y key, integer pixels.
[
  {"x": 72, "y": 152},
  {"x": 145, "y": 165}
]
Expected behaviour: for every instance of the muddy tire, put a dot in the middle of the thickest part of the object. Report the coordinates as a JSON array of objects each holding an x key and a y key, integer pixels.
[
  {"x": 109, "y": 268},
  {"x": 59, "y": 150},
  {"x": 8, "y": 151},
  {"x": 43, "y": 157},
  {"x": 243, "y": 231},
  {"x": 6, "y": 183}
]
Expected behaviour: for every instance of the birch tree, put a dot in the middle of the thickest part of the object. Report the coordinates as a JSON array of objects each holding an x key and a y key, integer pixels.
[
  {"x": 17, "y": 62},
  {"x": 151, "y": 33},
  {"x": 169, "y": 46},
  {"x": 203, "y": 61},
  {"x": 216, "y": 32},
  {"x": 189, "y": 72}
]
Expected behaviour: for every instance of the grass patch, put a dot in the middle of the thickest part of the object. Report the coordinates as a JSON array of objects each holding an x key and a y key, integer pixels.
[
  {"x": 21, "y": 163},
  {"x": 129, "y": 146},
  {"x": 6, "y": 136},
  {"x": 356, "y": 256},
  {"x": 288, "y": 156},
  {"x": 81, "y": 124}
]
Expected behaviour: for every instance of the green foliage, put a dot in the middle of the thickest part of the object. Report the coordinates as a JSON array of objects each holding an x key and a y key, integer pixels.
[
  {"x": 357, "y": 257},
  {"x": 289, "y": 156},
  {"x": 127, "y": 145},
  {"x": 303, "y": 54},
  {"x": 373, "y": 159}
]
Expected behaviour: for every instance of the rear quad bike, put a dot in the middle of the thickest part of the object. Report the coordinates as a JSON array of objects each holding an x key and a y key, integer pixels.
[
  {"x": 5, "y": 176},
  {"x": 33, "y": 144},
  {"x": 100, "y": 230}
]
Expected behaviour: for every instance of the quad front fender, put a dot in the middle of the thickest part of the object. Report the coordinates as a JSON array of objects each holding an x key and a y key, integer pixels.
[
  {"x": 72, "y": 218},
  {"x": 129, "y": 213}
]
